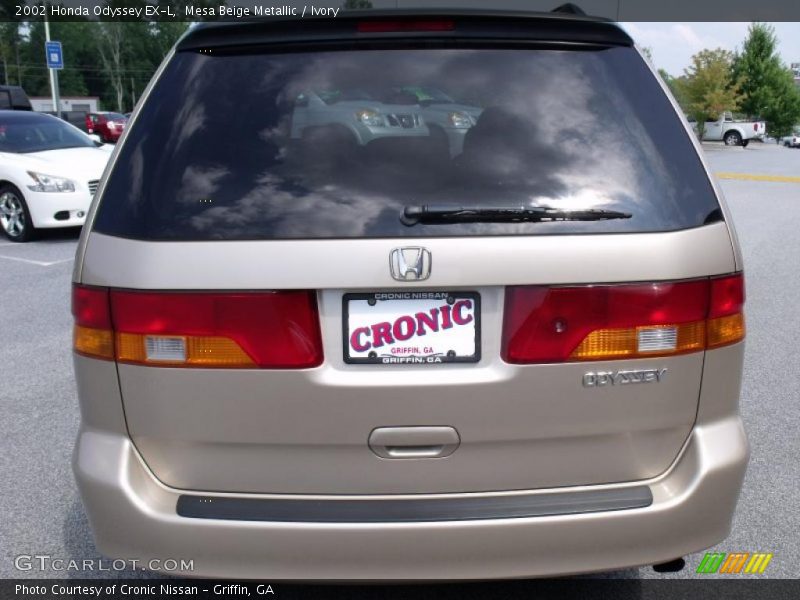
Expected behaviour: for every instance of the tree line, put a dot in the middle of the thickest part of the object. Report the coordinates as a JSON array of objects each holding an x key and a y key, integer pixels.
[
  {"x": 753, "y": 82},
  {"x": 112, "y": 60},
  {"x": 115, "y": 60}
]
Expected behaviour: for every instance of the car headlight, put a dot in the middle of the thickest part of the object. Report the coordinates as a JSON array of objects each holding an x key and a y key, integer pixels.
[
  {"x": 49, "y": 183},
  {"x": 461, "y": 120},
  {"x": 371, "y": 118}
]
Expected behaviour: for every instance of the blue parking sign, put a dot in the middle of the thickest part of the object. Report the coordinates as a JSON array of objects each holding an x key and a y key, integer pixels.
[{"x": 55, "y": 56}]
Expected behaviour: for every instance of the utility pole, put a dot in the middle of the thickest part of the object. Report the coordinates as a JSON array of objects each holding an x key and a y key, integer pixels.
[{"x": 53, "y": 72}]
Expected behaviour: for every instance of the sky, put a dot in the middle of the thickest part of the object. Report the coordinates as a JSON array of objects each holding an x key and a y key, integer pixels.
[{"x": 673, "y": 44}]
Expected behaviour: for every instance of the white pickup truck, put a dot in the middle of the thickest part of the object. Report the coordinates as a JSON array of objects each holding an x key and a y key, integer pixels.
[{"x": 730, "y": 131}]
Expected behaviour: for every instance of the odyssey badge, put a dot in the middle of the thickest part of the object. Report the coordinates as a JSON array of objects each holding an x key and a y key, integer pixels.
[{"x": 604, "y": 378}]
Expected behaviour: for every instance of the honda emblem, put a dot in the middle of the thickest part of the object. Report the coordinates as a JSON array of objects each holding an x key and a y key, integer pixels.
[{"x": 410, "y": 264}]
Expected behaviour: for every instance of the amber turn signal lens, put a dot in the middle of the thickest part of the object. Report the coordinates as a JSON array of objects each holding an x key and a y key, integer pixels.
[
  {"x": 97, "y": 343},
  {"x": 725, "y": 330},
  {"x": 200, "y": 351},
  {"x": 641, "y": 342}
]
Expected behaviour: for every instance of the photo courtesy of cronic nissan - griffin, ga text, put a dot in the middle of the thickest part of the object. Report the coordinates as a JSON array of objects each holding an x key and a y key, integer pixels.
[{"x": 442, "y": 295}]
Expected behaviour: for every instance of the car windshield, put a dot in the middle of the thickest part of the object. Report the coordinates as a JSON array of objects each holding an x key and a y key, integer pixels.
[
  {"x": 37, "y": 134},
  {"x": 336, "y": 144},
  {"x": 115, "y": 117},
  {"x": 345, "y": 95},
  {"x": 427, "y": 95}
]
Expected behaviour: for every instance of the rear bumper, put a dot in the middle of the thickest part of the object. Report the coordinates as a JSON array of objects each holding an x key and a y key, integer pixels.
[
  {"x": 109, "y": 135},
  {"x": 135, "y": 517}
]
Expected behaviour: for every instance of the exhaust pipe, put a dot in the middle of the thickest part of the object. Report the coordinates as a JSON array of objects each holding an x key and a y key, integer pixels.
[{"x": 672, "y": 566}]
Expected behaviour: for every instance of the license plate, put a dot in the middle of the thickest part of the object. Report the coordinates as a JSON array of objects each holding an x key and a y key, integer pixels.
[{"x": 411, "y": 327}]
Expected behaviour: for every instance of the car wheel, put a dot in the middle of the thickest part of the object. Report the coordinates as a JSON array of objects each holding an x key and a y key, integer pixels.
[
  {"x": 15, "y": 219},
  {"x": 732, "y": 138},
  {"x": 787, "y": 144}
]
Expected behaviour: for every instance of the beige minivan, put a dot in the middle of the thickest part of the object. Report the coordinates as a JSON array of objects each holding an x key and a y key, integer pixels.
[{"x": 477, "y": 315}]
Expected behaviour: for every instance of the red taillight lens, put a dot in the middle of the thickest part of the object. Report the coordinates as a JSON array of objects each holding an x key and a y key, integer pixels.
[
  {"x": 90, "y": 307},
  {"x": 546, "y": 325},
  {"x": 726, "y": 316},
  {"x": 266, "y": 329},
  {"x": 401, "y": 26},
  {"x": 92, "y": 335},
  {"x": 727, "y": 296}
]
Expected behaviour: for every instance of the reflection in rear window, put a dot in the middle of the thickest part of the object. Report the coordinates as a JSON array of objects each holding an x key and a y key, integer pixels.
[{"x": 336, "y": 144}]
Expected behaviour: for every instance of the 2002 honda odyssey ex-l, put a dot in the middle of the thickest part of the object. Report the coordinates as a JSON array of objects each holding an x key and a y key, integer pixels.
[{"x": 358, "y": 342}]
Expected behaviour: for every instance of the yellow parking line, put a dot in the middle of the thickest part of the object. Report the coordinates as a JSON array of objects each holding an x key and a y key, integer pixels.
[{"x": 751, "y": 177}]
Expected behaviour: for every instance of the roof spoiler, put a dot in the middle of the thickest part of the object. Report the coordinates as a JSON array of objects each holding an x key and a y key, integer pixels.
[
  {"x": 566, "y": 24},
  {"x": 569, "y": 9}
]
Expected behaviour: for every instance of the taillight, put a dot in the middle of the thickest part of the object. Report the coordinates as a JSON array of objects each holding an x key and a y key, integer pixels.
[
  {"x": 92, "y": 335},
  {"x": 726, "y": 316},
  {"x": 407, "y": 25},
  {"x": 560, "y": 324},
  {"x": 250, "y": 330}
]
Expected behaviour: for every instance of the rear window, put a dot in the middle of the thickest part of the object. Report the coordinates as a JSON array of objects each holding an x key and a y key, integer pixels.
[{"x": 335, "y": 144}]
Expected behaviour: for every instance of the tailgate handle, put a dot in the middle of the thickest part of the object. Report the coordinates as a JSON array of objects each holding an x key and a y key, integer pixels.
[{"x": 414, "y": 442}]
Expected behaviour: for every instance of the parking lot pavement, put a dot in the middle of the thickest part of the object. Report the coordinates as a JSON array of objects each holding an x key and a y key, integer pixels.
[
  {"x": 41, "y": 510},
  {"x": 767, "y": 219},
  {"x": 56, "y": 249}
]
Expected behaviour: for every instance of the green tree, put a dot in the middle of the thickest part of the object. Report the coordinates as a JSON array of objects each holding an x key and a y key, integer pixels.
[
  {"x": 33, "y": 74},
  {"x": 708, "y": 87},
  {"x": 164, "y": 34},
  {"x": 11, "y": 43},
  {"x": 767, "y": 87},
  {"x": 674, "y": 85},
  {"x": 79, "y": 58},
  {"x": 111, "y": 44},
  {"x": 9, "y": 38},
  {"x": 113, "y": 60},
  {"x": 671, "y": 82}
]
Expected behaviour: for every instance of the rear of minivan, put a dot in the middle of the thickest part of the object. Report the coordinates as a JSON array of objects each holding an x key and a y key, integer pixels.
[{"x": 305, "y": 353}]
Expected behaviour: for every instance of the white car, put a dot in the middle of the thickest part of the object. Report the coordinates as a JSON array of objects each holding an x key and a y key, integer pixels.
[
  {"x": 791, "y": 141},
  {"x": 49, "y": 171}
]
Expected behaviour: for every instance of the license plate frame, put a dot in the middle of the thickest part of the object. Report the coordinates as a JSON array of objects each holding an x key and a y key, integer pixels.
[{"x": 409, "y": 297}]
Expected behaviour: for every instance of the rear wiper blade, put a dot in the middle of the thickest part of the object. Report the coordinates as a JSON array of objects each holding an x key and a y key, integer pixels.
[{"x": 452, "y": 213}]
